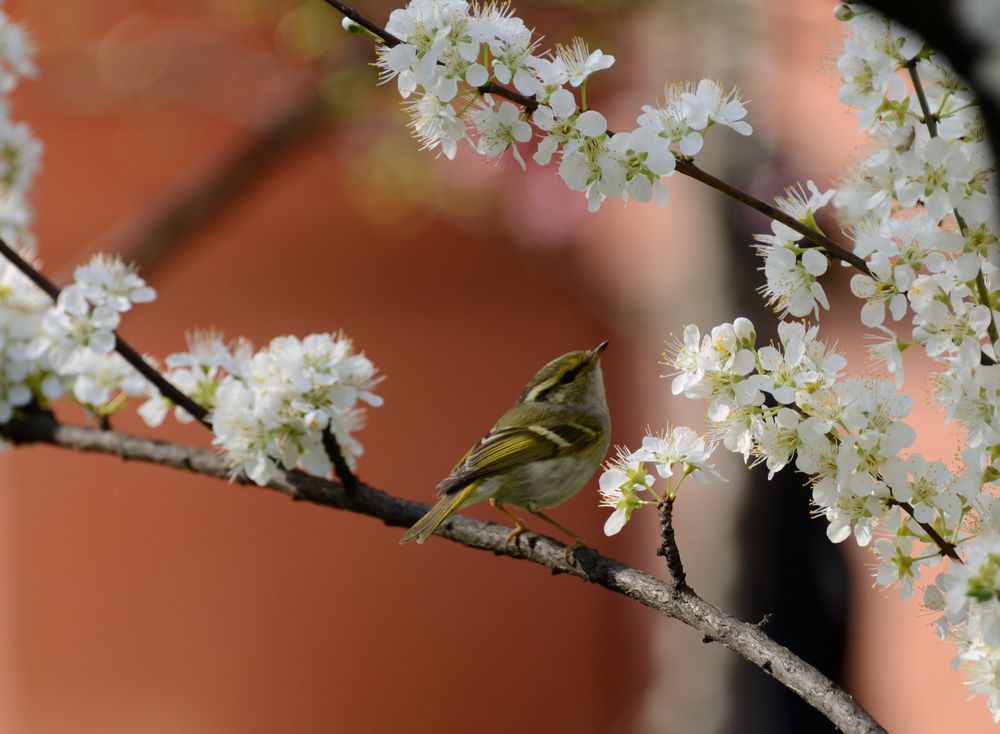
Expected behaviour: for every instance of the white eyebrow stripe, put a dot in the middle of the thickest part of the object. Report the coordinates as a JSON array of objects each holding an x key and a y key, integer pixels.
[
  {"x": 550, "y": 436},
  {"x": 539, "y": 389}
]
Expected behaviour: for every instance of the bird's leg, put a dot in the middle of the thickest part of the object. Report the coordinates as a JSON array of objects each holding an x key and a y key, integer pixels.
[
  {"x": 520, "y": 526},
  {"x": 578, "y": 540}
]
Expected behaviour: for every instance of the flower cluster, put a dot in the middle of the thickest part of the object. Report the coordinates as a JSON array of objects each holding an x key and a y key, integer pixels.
[
  {"x": 76, "y": 339},
  {"x": 451, "y": 51},
  {"x": 675, "y": 454},
  {"x": 268, "y": 409},
  {"x": 791, "y": 268},
  {"x": 920, "y": 205},
  {"x": 787, "y": 403},
  {"x": 49, "y": 350},
  {"x": 271, "y": 408},
  {"x": 967, "y": 596},
  {"x": 921, "y": 210},
  {"x": 21, "y": 304},
  {"x": 20, "y": 151}
]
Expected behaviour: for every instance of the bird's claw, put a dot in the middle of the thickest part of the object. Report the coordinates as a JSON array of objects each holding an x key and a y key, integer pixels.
[
  {"x": 569, "y": 550},
  {"x": 515, "y": 534}
]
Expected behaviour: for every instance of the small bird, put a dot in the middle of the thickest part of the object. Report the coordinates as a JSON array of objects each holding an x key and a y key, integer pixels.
[{"x": 540, "y": 452}]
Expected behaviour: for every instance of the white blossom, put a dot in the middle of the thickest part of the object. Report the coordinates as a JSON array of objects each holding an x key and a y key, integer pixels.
[
  {"x": 107, "y": 281},
  {"x": 792, "y": 279},
  {"x": 620, "y": 484},
  {"x": 274, "y": 409},
  {"x": 499, "y": 129},
  {"x": 580, "y": 62},
  {"x": 709, "y": 104},
  {"x": 680, "y": 446},
  {"x": 435, "y": 124}
]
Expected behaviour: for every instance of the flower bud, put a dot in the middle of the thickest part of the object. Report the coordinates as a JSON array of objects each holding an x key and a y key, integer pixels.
[
  {"x": 745, "y": 332},
  {"x": 843, "y": 12}
]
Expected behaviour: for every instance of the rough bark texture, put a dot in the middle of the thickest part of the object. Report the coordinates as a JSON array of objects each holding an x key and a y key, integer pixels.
[{"x": 668, "y": 548}]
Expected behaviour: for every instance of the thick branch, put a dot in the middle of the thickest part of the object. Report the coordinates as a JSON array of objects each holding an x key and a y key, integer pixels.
[{"x": 747, "y": 640}]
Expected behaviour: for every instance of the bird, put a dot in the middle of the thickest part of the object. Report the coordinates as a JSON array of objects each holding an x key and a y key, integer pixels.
[{"x": 538, "y": 454}]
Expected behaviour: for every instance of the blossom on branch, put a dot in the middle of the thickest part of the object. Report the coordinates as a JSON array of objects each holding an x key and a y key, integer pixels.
[{"x": 274, "y": 406}]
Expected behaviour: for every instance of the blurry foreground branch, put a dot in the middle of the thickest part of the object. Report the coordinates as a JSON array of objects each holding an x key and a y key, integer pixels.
[
  {"x": 678, "y": 602},
  {"x": 205, "y": 192}
]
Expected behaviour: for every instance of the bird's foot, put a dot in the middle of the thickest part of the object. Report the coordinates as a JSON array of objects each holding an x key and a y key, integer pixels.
[
  {"x": 519, "y": 526},
  {"x": 578, "y": 544}
]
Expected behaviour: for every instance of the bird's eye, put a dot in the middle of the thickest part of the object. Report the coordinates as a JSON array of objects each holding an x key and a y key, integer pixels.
[{"x": 567, "y": 377}]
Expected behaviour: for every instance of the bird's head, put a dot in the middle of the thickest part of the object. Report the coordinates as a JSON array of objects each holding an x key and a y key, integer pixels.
[{"x": 573, "y": 380}]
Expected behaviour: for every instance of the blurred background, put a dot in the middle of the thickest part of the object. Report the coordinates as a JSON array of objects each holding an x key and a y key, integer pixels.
[{"x": 240, "y": 152}]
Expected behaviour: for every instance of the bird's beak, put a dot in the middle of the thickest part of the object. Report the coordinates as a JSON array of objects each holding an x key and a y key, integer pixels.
[{"x": 595, "y": 353}]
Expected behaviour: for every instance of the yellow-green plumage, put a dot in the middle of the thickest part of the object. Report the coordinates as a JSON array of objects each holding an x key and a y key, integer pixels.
[
  {"x": 424, "y": 527},
  {"x": 540, "y": 452}
]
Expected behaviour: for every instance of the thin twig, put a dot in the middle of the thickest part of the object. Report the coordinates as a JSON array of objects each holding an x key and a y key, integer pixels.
[
  {"x": 984, "y": 297},
  {"x": 668, "y": 547},
  {"x": 818, "y": 239},
  {"x": 930, "y": 120},
  {"x": 529, "y": 103},
  {"x": 747, "y": 640},
  {"x": 340, "y": 466},
  {"x": 166, "y": 388},
  {"x": 348, "y": 12},
  {"x": 944, "y": 547}
]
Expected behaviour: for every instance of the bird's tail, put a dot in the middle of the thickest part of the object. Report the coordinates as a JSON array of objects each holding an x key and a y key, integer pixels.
[{"x": 424, "y": 527}]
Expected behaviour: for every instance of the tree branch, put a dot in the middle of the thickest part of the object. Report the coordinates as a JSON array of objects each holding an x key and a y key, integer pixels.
[
  {"x": 747, "y": 640},
  {"x": 816, "y": 238},
  {"x": 930, "y": 121},
  {"x": 340, "y": 468},
  {"x": 937, "y": 23},
  {"x": 201, "y": 195},
  {"x": 944, "y": 547},
  {"x": 685, "y": 167},
  {"x": 668, "y": 548},
  {"x": 166, "y": 388},
  {"x": 348, "y": 12}
]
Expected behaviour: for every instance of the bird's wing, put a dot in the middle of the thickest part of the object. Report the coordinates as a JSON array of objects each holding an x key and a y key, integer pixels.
[{"x": 505, "y": 448}]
